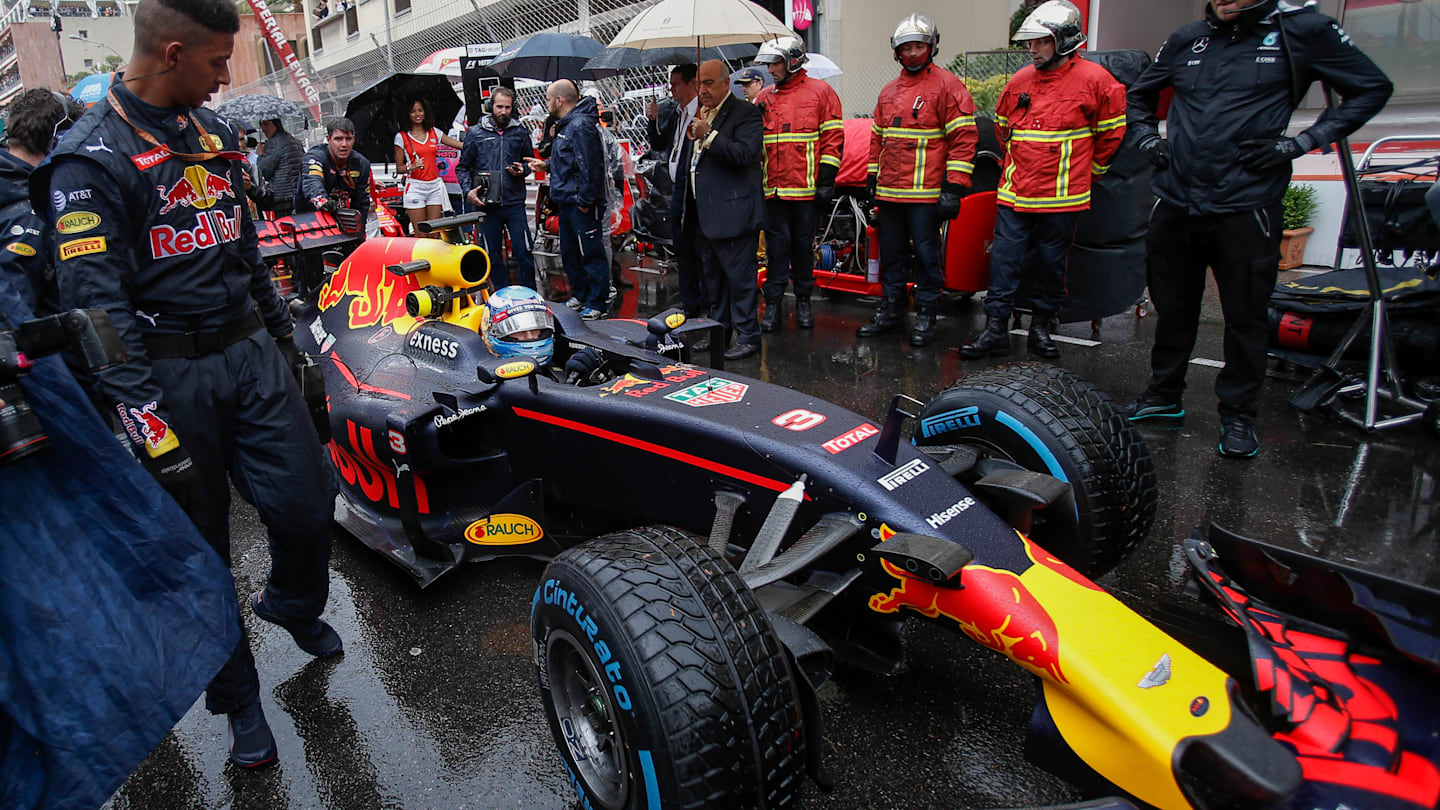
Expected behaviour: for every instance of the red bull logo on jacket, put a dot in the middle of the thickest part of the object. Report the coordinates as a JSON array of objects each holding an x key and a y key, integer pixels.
[
  {"x": 197, "y": 188},
  {"x": 994, "y": 609},
  {"x": 159, "y": 439},
  {"x": 212, "y": 228}
]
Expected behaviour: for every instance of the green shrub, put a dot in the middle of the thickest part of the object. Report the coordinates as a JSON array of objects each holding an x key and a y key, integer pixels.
[
  {"x": 1299, "y": 206},
  {"x": 986, "y": 92}
]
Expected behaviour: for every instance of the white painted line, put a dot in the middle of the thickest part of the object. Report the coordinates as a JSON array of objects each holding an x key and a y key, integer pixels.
[
  {"x": 1060, "y": 338},
  {"x": 1205, "y": 361}
]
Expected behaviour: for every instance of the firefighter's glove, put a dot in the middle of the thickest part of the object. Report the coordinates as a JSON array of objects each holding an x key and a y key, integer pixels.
[
  {"x": 825, "y": 186},
  {"x": 1263, "y": 154},
  {"x": 178, "y": 474},
  {"x": 1157, "y": 151},
  {"x": 294, "y": 359},
  {"x": 950, "y": 196},
  {"x": 871, "y": 183}
]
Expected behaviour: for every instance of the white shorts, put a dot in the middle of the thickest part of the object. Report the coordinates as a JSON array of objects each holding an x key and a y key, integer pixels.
[{"x": 420, "y": 193}]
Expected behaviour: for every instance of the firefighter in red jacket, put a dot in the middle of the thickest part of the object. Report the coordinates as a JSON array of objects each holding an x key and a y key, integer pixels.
[
  {"x": 1060, "y": 119},
  {"x": 804, "y": 133},
  {"x": 922, "y": 153}
]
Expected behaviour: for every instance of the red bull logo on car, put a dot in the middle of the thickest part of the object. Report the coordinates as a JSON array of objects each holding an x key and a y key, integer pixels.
[
  {"x": 197, "y": 188},
  {"x": 376, "y": 297},
  {"x": 994, "y": 609}
]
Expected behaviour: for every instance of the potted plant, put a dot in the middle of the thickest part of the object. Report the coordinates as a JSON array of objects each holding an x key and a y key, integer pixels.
[{"x": 1299, "y": 209}]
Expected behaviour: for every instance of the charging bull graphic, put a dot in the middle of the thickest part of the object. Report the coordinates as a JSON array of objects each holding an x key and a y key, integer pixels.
[
  {"x": 376, "y": 297},
  {"x": 994, "y": 608},
  {"x": 196, "y": 189},
  {"x": 158, "y": 438}
]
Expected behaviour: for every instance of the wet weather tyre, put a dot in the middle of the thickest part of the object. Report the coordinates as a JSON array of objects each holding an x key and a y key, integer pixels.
[
  {"x": 662, "y": 679},
  {"x": 1051, "y": 420}
]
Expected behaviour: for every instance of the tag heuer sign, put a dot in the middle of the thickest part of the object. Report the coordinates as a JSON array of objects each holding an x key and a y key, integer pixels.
[{"x": 713, "y": 391}]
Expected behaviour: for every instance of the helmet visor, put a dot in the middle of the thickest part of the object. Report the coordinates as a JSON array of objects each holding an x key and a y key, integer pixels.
[{"x": 523, "y": 323}]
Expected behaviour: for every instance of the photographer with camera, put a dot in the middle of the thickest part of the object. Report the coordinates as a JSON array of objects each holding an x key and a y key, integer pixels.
[
  {"x": 495, "y": 149},
  {"x": 37, "y": 120},
  {"x": 145, "y": 194}
]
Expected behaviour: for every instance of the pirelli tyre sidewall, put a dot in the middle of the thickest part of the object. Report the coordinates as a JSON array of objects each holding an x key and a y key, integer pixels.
[
  {"x": 650, "y": 646},
  {"x": 1050, "y": 420}
]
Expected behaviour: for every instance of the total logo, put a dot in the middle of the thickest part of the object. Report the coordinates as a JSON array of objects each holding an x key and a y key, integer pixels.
[
  {"x": 211, "y": 228},
  {"x": 901, "y": 475},
  {"x": 197, "y": 188},
  {"x": 440, "y": 347},
  {"x": 941, "y": 518},
  {"x": 503, "y": 530},
  {"x": 850, "y": 438}
]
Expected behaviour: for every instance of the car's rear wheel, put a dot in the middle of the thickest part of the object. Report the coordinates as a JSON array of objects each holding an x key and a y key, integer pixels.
[
  {"x": 1049, "y": 420},
  {"x": 662, "y": 679}
]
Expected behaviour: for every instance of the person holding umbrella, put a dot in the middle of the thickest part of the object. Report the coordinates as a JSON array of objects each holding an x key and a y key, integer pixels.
[{"x": 416, "y": 150}]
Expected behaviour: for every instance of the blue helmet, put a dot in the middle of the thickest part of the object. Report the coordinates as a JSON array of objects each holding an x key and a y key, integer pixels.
[{"x": 517, "y": 323}]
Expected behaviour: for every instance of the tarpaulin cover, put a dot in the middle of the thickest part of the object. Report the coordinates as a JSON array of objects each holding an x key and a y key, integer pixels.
[
  {"x": 1404, "y": 288},
  {"x": 114, "y": 613}
]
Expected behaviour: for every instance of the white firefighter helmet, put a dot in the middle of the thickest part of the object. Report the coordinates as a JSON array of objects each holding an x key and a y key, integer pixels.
[
  {"x": 1059, "y": 19},
  {"x": 915, "y": 28},
  {"x": 789, "y": 50}
]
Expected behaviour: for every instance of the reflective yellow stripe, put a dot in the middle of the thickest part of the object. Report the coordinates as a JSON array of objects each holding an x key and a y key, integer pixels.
[
  {"x": 959, "y": 121},
  {"x": 1110, "y": 123},
  {"x": 909, "y": 193},
  {"x": 831, "y": 160},
  {"x": 810, "y": 165},
  {"x": 959, "y": 166},
  {"x": 872, "y": 168},
  {"x": 919, "y": 181},
  {"x": 1002, "y": 120},
  {"x": 794, "y": 192},
  {"x": 1062, "y": 181},
  {"x": 1049, "y": 136},
  {"x": 833, "y": 123},
  {"x": 1097, "y": 169},
  {"x": 1006, "y": 195},
  {"x": 793, "y": 137},
  {"x": 913, "y": 134}
]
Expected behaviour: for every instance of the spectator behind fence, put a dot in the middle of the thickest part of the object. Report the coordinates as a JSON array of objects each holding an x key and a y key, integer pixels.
[
  {"x": 280, "y": 165},
  {"x": 577, "y": 189}
]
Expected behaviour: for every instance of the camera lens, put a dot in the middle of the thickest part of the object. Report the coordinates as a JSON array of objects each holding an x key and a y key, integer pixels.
[{"x": 20, "y": 432}]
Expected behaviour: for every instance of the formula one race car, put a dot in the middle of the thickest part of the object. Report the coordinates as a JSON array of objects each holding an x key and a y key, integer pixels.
[{"x": 717, "y": 544}]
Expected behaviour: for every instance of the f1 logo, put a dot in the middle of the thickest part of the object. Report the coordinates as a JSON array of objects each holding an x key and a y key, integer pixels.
[{"x": 798, "y": 420}]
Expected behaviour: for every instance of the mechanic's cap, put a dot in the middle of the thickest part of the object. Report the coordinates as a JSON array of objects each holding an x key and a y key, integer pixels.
[{"x": 750, "y": 74}]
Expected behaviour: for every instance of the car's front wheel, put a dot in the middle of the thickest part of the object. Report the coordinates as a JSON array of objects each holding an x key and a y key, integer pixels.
[{"x": 662, "y": 679}]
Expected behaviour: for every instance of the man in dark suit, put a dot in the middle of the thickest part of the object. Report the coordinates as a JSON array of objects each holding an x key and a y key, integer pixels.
[
  {"x": 666, "y": 130},
  {"x": 719, "y": 188}
]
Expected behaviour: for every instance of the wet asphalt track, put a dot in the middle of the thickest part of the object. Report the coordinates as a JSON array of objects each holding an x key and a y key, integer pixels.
[{"x": 435, "y": 704}]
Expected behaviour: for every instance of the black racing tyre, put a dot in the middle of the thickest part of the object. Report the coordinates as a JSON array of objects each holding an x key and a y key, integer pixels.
[
  {"x": 1050, "y": 420},
  {"x": 663, "y": 681}
]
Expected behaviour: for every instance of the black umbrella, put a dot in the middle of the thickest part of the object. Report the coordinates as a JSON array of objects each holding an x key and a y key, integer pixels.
[
  {"x": 550, "y": 56},
  {"x": 380, "y": 110},
  {"x": 258, "y": 107},
  {"x": 623, "y": 58}
]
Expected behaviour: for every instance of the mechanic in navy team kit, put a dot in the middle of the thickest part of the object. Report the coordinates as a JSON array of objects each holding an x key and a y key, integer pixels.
[
  {"x": 1222, "y": 170},
  {"x": 332, "y": 176},
  {"x": 146, "y": 196}
]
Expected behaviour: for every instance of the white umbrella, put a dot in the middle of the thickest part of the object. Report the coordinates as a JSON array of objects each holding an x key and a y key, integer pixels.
[
  {"x": 699, "y": 24},
  {"x": 820, "y": 66}
]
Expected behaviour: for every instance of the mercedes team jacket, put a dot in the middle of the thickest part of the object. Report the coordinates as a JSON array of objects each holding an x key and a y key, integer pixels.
[
  {"x": 804, "y": 130},
  {"x": 1058, "y": 128},
  {"x": 924, "y": 135}
]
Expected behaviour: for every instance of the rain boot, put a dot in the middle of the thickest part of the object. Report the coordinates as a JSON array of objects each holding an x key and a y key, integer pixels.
[
  {"x": 993, "y": 341},
  {"x": 1039, "y": 339},
  {"x": 804, "y": 318},
  {"x": 771, "y": 320},
  {"x": 889, "y": 316},
  {"x": 924, "y": 330}
]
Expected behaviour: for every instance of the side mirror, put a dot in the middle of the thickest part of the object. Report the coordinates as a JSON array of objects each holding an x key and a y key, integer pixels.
[{"x": 661, "y": 326}]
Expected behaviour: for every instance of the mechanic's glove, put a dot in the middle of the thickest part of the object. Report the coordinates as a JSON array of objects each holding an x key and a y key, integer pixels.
[
  {"x": 871, "y": 183},
  {"x": 581, "y": 365},
  {"x": 825, "y": 185},
  {"x": 1262, "y": 154},
  {"x": 1157, "y": 151},
  {"x": 950, "y": 196},
  {"x": 178, "y": 474},
  {"x": 294, "y": 359}
]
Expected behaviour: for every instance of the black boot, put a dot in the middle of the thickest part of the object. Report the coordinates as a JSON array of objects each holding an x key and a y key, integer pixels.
[
  {"x": 889, "y": 316},
  {"x": 993, "y": 340},
  {"x": 924, "y": 330},
  {"x": 804, "y": 318},
  {"x": 1039, "y": 340},
  {"x": 771, "y": 320}
]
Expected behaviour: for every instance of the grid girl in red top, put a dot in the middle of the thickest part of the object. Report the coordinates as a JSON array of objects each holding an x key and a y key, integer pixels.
[{"x": 415, "y": 154}]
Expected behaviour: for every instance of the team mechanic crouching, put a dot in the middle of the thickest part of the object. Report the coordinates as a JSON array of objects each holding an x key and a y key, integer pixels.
[{"x": 146, "y": 198}]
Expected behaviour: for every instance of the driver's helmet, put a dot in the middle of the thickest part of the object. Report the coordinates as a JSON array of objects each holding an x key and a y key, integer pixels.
[{"x": 517, "y": 323}]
